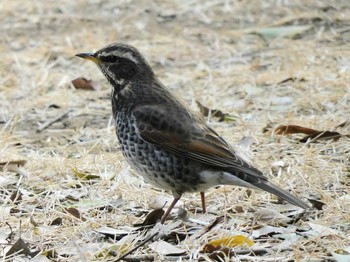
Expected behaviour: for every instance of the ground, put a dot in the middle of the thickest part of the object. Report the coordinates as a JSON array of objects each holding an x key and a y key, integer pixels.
[{"x": 265, "y": 63}]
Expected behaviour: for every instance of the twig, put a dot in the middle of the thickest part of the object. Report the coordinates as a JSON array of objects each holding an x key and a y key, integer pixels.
[
  {"x": 138, "y": 246},
  {"x": 139, "y": 258},
  {"x": 50, "y": 122},
  {"x": 152, "y": 258}
]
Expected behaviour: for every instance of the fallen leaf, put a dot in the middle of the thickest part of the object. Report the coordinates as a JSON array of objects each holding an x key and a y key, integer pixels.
[
  {"x": 7, "y": 164},
  {"x": 166, "y": 249},
  {"x": 288, "y": 239},
  {"x": 208, "y": 227},
  {"x": 182, "y": 214},
  {"x": 87, "y": 204},
  {"x": 160, "y": 201},
  {"x": 312, "y": 133},
  {"x": 252, "y": 90},
  {"x": 281, "y": 100},
  {"x": 269, "y": 215},
  {"x": 271, "y": 78},
  {"x": 341, "y": 255},
  {"x": 54, "y": 106},
  {"x": 270, "y": 230},
  {"x": 83, "y": 175},
  {"x": 33, "y": 222},
  {"x": 56, "y": 222},
  {"x": 281, "y": 31},
  {"x": 239, "y": 209},
  {"x": 218, "y": 253},
  {"x": 113, "y": 233},
  {"x": 323, "y": 231},
  {"x": 15, "y": 166},
  {"x": 20, "y": 247},
  {"x": 16, "y": 197},
  {"x": 83, "y": 83},
  {"x": 112, "y": 250},
  {"x": 322, "y": 135},
  {"x": 246, "y": 142},
  {"x": 344, "y": 124},
  {"x": 223, "y": 117},
  {"x": 75, "y": 212},
  {"x": 294, "y": 129},
  {"x": 232, "y": 241},
  {"x": 345, "y": 199},
  {"x": 291, "y": 79},
  {"x": 5, "y": 212},
  {"x": 50, "y": 253},
  {"x": 316, "y": 204},
  {"x": 152, "y": 218}
]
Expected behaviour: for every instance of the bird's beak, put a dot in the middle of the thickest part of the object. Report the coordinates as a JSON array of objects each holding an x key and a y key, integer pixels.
[{"x": 89, "y": 56}]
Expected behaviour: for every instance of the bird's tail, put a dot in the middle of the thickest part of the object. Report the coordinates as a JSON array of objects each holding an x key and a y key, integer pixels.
[{"x": 271, "y": 188}]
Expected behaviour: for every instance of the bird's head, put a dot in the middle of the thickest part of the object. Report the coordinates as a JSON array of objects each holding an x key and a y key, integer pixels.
[{"x": 120, "y": 63}]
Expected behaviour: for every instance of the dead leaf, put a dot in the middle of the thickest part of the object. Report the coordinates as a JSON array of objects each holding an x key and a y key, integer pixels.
[
  {"x": 344, "y": 124},
  {"x": 15, "y": 166},
  {"x": 316, "y": 204},
  {"x": 269, "y": 230},
  {"x": 341, "y": 255},
  {"x": 75, "y": 212},
  {"x": 232, "y": 241},
  {"x": 214, "y": 223},
  {"x": 152, "y": 218},
  {"x": 289, "y": 31},
  {"x": 161, "y": 201},
  {"x": 50, "y": 253},
  {"x": 218, "y": 253},
  {"x": 246, "y": 142},
  {"x": 223, "y": 117},
  {"x": 182, "y": 214},
  {"x": 271, "y": 78},
  {"x": 20, "y": 247},
  {"x": 209, "y": 227},
  {"x": 322, "y": 135},
  {"x": 10, "y": 163},
  {"x": 59, "y": 117},
  {"x": 16, "y": 197},
  {"x": 294, "y": 129},
  {"x": 269, "y": 215},
  {"x": 56, "y": 222},
  {"x": 291, "y": 79},
  {"x": 323, "y": 231},
  {"x": 289, "y": 239},
  {"x": 83, "y": 175},
  {"x": 87, "y": 204},
  {"x": 113, "y": 233},
  {"x": 32, "y": 221},
  {"x": 112, "y": 251},
  {"x": 83, "y": 83},
  {"x": 267, "y": 128},
  {"x": 166, "y": 249},
  {"x": 239, "y": 209},
  {"x": 312, "y": 133}
]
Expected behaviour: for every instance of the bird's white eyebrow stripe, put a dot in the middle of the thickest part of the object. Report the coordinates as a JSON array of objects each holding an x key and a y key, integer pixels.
[{"x": 126, "y": 55}]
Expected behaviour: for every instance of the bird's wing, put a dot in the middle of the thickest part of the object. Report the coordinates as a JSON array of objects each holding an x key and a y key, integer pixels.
[{"x": 182, "y": 134}]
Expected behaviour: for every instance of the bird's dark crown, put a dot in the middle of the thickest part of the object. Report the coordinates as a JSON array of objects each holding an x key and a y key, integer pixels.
[
  {"x": 112, "y": 52},
  {"x": 121, "y": 62}
]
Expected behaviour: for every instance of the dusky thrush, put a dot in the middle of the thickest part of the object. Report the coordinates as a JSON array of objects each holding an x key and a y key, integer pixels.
[{"x": 170, "y": 146}]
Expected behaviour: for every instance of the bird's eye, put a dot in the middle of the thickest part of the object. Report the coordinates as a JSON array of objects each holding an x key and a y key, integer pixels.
[{"x": 109, "y": 59}]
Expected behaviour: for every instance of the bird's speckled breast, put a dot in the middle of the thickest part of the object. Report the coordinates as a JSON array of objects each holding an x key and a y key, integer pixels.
[{"x": 157, "y": 166}]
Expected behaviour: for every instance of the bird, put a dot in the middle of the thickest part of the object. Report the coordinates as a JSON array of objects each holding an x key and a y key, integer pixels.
[{"x": 172, "y": 147}]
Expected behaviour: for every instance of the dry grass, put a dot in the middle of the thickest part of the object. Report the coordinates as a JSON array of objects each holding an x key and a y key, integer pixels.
[{"x": 204, "y": 52}]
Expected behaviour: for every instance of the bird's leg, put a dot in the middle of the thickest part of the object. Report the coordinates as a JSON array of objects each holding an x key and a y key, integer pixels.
[
  {"x": 203, "y": 202},
  {"x": 164, "y": 217}
]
